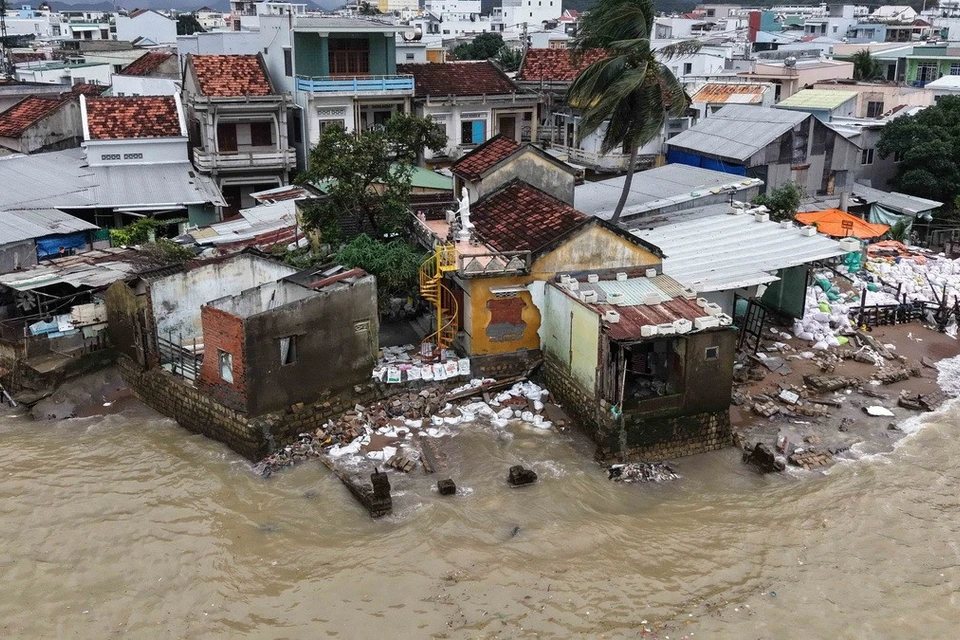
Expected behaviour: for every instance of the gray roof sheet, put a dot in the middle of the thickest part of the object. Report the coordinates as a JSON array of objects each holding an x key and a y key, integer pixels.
[
  {"x": 62, "y": 179},
  {"x": 738, "y": 131},
  {"x": 16, "y": 226},
  {"x": 656, "y": 189},
  {"x": 724, "y": 252},
  {"x": 98, "y": 268},
  {"x": 899, "y": 202}
]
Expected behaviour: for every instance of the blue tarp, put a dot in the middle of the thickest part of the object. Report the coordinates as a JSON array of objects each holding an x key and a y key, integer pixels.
[
  {"x": 676, "y": 156},
  {"x": 50, "y": 246}
]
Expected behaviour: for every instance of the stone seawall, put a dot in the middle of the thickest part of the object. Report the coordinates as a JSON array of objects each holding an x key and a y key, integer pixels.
[
  {"x": 650, "y": 438},
  {"x": 253, "y": 438}
]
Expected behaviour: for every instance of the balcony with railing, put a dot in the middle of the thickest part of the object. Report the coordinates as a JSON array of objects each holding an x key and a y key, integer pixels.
[
  {"x": 397, "y": 85},
  {"x": 472, "y": 258},
  {"x": 244, "y": 158}
]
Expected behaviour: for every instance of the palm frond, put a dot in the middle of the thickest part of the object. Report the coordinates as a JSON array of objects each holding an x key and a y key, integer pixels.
[{"x": 679, "y": 49}]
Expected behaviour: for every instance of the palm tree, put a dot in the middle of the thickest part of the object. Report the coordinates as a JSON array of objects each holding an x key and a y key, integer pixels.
[
  {"x": 631, "y": 90},
  {"x": 865, "y": 66}
]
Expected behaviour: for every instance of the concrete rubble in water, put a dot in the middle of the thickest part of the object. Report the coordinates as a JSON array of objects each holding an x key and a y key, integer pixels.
[
  {"x": 389, "y": 429},
  {"x": 642, "y": 472}
]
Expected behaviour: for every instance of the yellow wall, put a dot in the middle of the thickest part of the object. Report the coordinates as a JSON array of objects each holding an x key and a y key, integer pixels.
[
  {"x": 593, "y": 248},
  {"x": 584, "y": 346}
]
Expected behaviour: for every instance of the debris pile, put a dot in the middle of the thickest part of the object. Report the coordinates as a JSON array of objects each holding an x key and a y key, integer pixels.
[
  {"x": 390, "y": 431},
  {"x": 405, "y": 364},
  {"x": 642, "y": 472}
]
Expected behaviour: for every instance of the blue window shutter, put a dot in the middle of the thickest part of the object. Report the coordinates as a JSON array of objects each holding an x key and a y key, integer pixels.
[{"x": 479, "y": 129}]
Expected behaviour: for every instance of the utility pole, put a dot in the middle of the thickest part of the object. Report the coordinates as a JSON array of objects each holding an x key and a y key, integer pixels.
[
  {"x": 6, "y": 69},
  {"x": 523, "y": 38}
]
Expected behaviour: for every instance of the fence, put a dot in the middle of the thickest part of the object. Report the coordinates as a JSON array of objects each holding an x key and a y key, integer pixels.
[{"x": 177, "y": 359}]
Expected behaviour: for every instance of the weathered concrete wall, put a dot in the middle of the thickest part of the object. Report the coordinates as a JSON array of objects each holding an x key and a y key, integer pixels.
[
  {"x": 708, "y": 383},
  {"x": 17, "y": 255},
  {"x": 593, "y": 249},
  {"x": 533, "y": 169},
  {"x": 176, "y": 299},
  {"x": 336, "y": 345},
  {"x": 123, "y": 308},
  {"x": 572, "y": 336}
]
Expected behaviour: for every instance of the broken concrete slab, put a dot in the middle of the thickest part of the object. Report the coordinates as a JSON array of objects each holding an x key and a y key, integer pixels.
[
  {"x": 520, "y": 475},
  {"x": 447, "y": 487},
  {"x": 763, "y": 459}
]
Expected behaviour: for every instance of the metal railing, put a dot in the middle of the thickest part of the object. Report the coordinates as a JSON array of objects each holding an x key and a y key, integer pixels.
[
  {"x": 355, "y": 84},
  {"x": 255, "y": 157},
  {"x": 177, "y": 359}
]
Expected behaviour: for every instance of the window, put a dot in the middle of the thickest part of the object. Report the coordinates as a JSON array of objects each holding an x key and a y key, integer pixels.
[
  {"x": 411, "y": 56},
  {"x": 288, "y": 350},
  {"x": 326, "y": 124},
  {"x": 349, "y": 56},
  {"x": 687, "y": 68},
  {"x": 133, "y": 156},
  {"x": 297, "y": 128},
  {"x": 866, "y": 156},
  {"x": 287, "y": 62},
  {"x": 261, "y": 134},
  {"x": 711, "y": 353},
  {"x": 874, "y": 109},
  {"x": 226, "y": 365},
  {"x": 473, "y": 131},
  {"x": 109, "y": 156},
  {"x": 955, "y": 68}
]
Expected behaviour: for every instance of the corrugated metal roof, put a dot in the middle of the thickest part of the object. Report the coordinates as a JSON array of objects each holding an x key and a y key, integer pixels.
[
  {"x": 88, "y": 269},
  {"x": 730, "y": 93},
  {"x": 725, "y": 252},
  {"x": 657, "y": 188},
  {"x": 55, "y": 221},
  {"x": 818, "y": 99},
  {"x": 899, "y": 202},
  {"x": 14, "y": 229},
  {"x": 62, "y": 179},
  {"x": 738, "y": 131}
]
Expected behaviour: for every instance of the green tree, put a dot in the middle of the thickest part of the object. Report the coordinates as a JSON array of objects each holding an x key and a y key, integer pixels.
[
  {"x": 187, "y": 25},
  {"x": 782, "y": 201},
  {"x": 865, "y": 66},
  {"x": 631, "y": 92},
  {"x": 367, "y": 177},
  {"x": 484, "y": 47},
  {"x": 927, "y": 146},
  {"x": 395, "y": 264}
]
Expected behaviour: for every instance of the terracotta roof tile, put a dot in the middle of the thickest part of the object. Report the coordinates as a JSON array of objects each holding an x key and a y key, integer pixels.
[
  {"x": 522, "y": 218},
  {"x": 229, "y": 76},
  {"x": 15, "y": 120},
  {"x": 472, "y": 165},
  {"x": 557, "y": 65},
  {"x": 458, "y": 79},
  {"x": 88, "y": 89},
  {"x": 146, "y": 63},
  {"x": 133, "y": 117}
]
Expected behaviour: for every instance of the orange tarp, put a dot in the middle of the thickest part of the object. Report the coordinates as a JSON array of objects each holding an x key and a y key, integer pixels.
[{"x": 840, "y": 224}]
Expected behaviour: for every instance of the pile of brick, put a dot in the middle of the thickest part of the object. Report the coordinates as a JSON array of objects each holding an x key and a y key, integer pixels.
[{"x": 809, "y": 458}]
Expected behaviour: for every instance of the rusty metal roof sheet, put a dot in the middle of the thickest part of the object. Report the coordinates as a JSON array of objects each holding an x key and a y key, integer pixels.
[{"x": 730, "y": 92}]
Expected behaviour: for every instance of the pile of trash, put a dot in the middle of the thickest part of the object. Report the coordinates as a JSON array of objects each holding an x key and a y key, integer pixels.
[
  {"x": 826, "y": 319},
  {"x": 391, "y": 428},
  {"x": 642, "y": 472}
]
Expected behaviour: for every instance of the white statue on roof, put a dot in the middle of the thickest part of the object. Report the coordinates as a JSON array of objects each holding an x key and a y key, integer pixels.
[{"x": 466, "y": 227}]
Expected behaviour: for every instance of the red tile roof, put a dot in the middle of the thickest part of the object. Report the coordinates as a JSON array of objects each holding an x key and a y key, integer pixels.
[
  {"x": 146, "y": 63},
  {"x": 557, "y": 65},
  {"x": 133, "y": 117},
  {"x": 522, "y": 218},
  {"x": 230, "y": 76},
  {"x": 15, "y": 120},
  {"x": 472, "y": 165},
  {"x": 458, "y": 79},
  {"x": 88, "y": 89}
]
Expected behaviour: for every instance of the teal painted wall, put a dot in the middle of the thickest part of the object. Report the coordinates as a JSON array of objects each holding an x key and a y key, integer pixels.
[{"x": 310, "y": 54}]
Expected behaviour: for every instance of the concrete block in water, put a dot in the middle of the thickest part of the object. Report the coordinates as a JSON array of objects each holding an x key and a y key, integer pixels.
[
  {"x": 520, "y": 476},
  {"x": 447, "y": 487}
]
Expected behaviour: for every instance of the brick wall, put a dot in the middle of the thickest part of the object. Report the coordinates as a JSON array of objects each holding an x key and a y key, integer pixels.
[
  {"x": 648, "y": 438},
  {"x": 223, "y": 331}
]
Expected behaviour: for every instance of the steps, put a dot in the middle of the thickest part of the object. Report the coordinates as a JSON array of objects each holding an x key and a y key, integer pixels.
[{"x": 440, "y": 297}]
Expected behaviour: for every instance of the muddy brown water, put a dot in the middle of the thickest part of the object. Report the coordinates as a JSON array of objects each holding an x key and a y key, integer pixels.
[{"x": 127, "y": 526}]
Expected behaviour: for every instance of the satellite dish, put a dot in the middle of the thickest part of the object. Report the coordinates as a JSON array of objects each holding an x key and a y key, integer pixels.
[
  {"x": 791, "y": 61},
  {"x": 413, "y": 36}
]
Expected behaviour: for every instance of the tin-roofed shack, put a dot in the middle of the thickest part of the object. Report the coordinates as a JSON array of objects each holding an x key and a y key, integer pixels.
[{"x": 647, "y": 365}]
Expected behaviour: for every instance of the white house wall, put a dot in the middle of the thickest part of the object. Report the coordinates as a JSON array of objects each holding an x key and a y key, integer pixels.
[{"x": 144, "y": 86}]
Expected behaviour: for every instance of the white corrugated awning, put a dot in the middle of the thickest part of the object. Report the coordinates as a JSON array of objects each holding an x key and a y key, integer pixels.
[{"x": 725, "y": 252}]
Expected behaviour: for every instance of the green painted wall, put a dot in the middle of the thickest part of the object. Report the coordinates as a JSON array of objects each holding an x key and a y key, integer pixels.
[{"x": 310, "y": 54}]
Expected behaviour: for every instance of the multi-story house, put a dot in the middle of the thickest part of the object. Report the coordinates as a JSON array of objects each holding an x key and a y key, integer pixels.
[
  {"x": 238, "y": 125},
  {"x": 473, "y": 101},
  {"x": 340, "y": 71},
  {"x": 146, "y": 25},
  {"x": 155, "y": 73}
]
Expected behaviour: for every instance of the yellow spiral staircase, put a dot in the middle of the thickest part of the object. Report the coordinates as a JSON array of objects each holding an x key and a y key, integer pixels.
[{"x": 440, "y": 297}]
